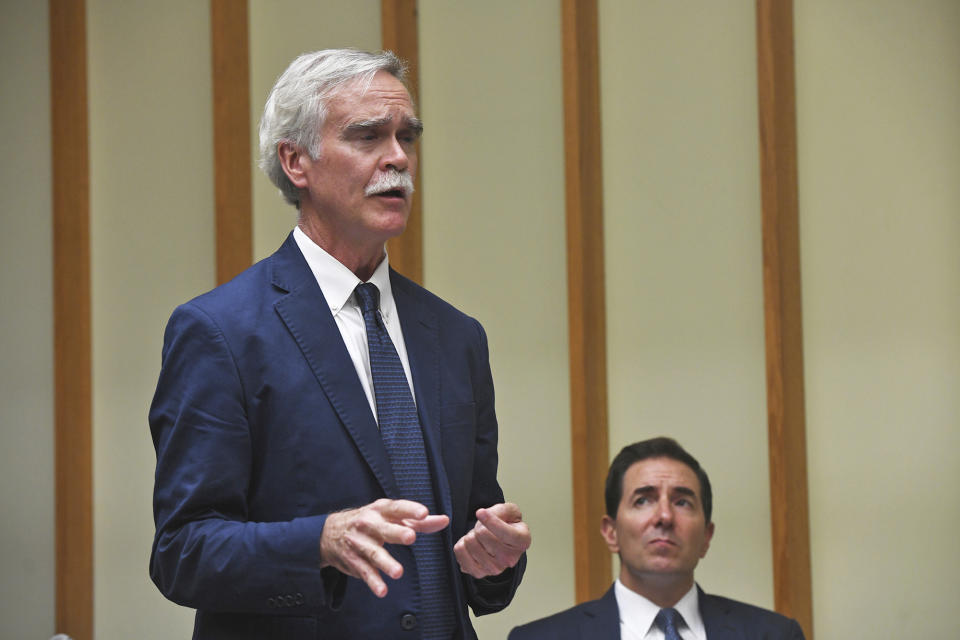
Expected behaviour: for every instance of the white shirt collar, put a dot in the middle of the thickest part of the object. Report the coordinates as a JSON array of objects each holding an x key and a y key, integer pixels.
[
  {"x": 637, "y": 613},
  {"x": 337, "y": 282}
]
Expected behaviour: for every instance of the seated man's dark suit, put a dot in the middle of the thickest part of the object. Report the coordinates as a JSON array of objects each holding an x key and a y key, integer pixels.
[
  {"x": 724, "y": 619},
  {"x": 261, "y": 428}
]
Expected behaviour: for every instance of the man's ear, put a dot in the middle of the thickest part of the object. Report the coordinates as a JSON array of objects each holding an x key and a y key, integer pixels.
[
  {"x": 707, "y": 539},
  {"x": 608, "y": 529},
  {"x": 295, "y": 162}
]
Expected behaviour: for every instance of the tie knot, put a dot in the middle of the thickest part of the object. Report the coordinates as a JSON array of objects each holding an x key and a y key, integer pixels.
[
  {"x": 368, "y": 296},
  {"x": 669, "y": 620}
]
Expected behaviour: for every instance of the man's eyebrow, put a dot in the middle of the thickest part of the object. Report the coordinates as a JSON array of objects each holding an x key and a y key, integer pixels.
[
  {"x": 359, "y": 126},
  {"x": 415, "y": 125},
  {"x": 686, "y": 491}
]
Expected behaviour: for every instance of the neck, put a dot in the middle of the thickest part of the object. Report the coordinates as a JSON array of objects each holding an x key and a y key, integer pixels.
[
  {"x": 662, "y": 590},
  {"x": 361, "y": 259}
]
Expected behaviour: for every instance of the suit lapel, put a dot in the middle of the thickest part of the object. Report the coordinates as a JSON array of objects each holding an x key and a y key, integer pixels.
[
  {"x": 601, "y": 618},
  {"x": 307, "y": 316},
  {"x": 420, "y": 327},
  {"x": 716, "y": 618}
]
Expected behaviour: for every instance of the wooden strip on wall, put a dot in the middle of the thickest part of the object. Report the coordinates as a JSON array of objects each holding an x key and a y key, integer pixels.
[
  {"x": 789, "y": 509},
  {"x": 71, "y": 322},
  {"x": 400, "y": 35},
  {"x": 233, "y": 197},
  {"x": 586, "y": 294}
]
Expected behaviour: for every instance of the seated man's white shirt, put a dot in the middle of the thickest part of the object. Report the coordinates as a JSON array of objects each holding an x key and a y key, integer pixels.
[
  {"x": 637, "y": 615},
  {"x": 337, "y": 283}
]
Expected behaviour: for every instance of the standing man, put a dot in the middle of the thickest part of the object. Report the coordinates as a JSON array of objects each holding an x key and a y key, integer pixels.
[
  {"x": 325, "y": 430},
  {"x": 659, "y": 503}
]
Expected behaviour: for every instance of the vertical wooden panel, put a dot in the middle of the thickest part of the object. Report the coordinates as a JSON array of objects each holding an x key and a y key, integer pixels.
[
  {"x": 586, "y": 297},
  {"x": 230, "y": 47},
  {"x": 789, "y": 507},
  {"x": 71, "y": 323},
  {"x": 400, "y": 35}
]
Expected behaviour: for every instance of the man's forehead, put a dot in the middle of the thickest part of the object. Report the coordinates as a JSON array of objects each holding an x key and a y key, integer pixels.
[
  {"x": 378, "y": 98},
  {"x": 659, "y": 472}
]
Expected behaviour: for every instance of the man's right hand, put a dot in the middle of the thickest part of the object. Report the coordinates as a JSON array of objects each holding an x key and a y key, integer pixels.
[{"x": 352, "y": 540}]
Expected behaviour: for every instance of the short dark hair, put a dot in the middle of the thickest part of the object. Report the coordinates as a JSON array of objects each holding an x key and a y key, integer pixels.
[{"x": 661, "y": 447}]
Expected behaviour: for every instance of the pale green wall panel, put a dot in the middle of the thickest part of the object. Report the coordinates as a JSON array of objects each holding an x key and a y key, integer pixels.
[
  {"x": 494, "y": 245},
  {"x": 26, "y": 342},
  {"x": 878, "y": 96},
  {"x": 151, "y": 186},
  {"x": 683, "y": 260}
]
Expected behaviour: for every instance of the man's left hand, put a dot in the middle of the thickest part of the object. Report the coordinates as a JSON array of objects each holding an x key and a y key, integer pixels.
[{"x": 496, "y": 542}]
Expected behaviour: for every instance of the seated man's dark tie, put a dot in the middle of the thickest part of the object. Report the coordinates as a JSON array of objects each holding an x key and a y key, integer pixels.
[
  {"x": 403, "y": 439},
  {"x": 669, "y": 621}
]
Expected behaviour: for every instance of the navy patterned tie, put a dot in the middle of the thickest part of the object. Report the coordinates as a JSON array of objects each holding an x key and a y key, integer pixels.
[
  {"x": 403, "y": 440},
  {"x": 667, "y": 620}
]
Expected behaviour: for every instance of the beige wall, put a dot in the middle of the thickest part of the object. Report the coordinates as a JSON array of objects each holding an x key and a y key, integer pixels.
[
  {"x": 26, "y": 342},
  {"x": 494, "y": 246},
  {"x": 684, "y": 282},
  {"x": 878, "y": 102},
  {"x": 152, "y": 247}
]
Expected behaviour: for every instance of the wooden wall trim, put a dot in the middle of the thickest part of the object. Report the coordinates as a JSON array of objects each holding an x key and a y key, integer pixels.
[
  {"x": 789, "y": 508},
  {"x": 73, "y": 453},
  {"x": 233, "y": 199},
  {"x": 400, "y": 35},
  {"x": 590, "y": 447}
]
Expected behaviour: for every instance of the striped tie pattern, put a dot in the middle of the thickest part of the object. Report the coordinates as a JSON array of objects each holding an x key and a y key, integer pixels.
[
  {"x": 667, "y": 620},
  {"x": 403, "y": 439}
]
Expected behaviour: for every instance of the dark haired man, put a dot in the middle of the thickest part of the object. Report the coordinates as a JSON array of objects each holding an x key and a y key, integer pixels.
[{"x": 659, "y": 504}]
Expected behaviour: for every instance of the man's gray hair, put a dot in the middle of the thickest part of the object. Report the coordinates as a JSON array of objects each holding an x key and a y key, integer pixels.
[{"x": 297, "y": 105}]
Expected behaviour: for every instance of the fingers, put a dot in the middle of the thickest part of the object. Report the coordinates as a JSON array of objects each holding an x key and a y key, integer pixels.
[
  {"x": 429, "y": 524},
  {"x": 352, "y": 540},
  {"x": 496, "y": 542},
  {"x": 400, "y": 509},
  {"x": 366, "y": 562},
  {"x": 471, "y": 557},
  {"x": 510, "y": 531},
  {"x": 506, "y": 511}
]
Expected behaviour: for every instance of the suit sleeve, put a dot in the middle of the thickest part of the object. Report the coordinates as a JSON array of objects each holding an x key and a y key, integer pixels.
[
  {"x": 487, "y": 595},
  {"x": 206, "y": 553}
]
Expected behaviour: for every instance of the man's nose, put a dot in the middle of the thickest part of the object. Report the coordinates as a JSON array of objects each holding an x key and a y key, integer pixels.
[
  {"x": 665, "y": 513},
  {"x": 394, "y": 156}
]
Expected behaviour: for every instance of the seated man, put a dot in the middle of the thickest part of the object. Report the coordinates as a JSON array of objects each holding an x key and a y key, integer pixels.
[{"x": 658, "y": 502}]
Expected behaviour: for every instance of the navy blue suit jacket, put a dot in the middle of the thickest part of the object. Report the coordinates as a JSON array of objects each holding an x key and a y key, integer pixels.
[
  {"x": 723, "y": 618},
  {"x": 261, "y": 429}
]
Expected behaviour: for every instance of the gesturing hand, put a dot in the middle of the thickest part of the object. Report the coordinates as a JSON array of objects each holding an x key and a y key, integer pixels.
[
  {"x": 352, "y": 540},
  {"x": 495, "y": 543}
]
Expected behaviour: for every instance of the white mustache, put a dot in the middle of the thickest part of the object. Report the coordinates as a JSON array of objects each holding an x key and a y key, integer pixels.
[{"x": 389, "y": 181}]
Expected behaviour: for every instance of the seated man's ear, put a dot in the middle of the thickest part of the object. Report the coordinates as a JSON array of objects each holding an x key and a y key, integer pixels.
[
  {"x": 707, "y": 539},
  {"x": 608, "y": 529}
]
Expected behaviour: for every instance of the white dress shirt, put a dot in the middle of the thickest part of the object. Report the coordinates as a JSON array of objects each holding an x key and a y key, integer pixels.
[
  {"x": 637, "y": 615},
  {"x": 337, "y": 283}
]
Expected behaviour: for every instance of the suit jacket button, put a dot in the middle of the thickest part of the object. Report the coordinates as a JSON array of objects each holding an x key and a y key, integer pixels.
[
  {"x": 271, "y": 602},
  {"x": 408, "y": 622}
]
